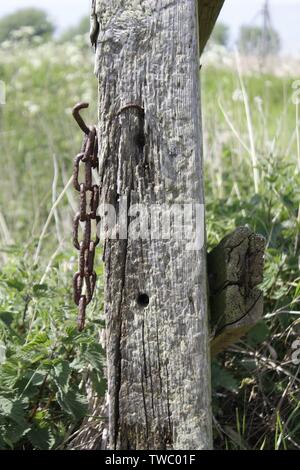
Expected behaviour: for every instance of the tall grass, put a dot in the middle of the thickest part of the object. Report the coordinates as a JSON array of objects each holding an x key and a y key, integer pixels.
[{"x": 251, "y": 162}]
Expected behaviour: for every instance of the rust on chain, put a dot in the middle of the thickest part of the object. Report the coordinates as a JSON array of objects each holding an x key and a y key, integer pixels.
[
  {"x": 81, "y": 313},
  {"x": 88, "y": 174},
  {"x": 84, "y": 281},
  {"x": 95, "y": 201},
  {"x": 76, "y": 114},
  {"x": 90, "y": 145},
  {"x": 77, "y": 161}
]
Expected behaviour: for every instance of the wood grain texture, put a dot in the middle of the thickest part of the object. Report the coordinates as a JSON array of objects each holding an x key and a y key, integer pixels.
[
  {"x": 209, "y": 11},
  {"x": 158, "y": 356}
]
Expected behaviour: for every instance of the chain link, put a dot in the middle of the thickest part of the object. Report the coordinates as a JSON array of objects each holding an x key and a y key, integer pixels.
[{"x": 85, "y": 278}]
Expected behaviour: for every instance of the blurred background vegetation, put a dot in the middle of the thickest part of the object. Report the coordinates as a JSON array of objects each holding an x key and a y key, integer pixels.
[
  {"x": 252, "y": 165},
  {"x": 33, "y": 18}
]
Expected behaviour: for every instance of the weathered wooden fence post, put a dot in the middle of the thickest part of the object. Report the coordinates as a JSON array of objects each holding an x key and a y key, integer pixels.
[{"x": 147, "y": 64}]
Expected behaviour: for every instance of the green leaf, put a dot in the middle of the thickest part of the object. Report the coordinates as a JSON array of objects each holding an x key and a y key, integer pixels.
[
  {"x": 40, "y": 339},
  {"x": 222, "y": 378},
  {"x": 99, "y": 383},
  {"x": 61, "y": 374},
  {"x": 73, "y": 403},
  {"x": 258, "y": 334},
  {"x": 7, "y": 317},
  {"x": 2, "y": 353},
  {"x": 4, "y": 443},
  {"x": 12, "y": 409},
  {"x": 288, "y": 203},
  {"x": 94, "y": 356},
  {"x": 5, "y": 406},
  {"x": 8, "y": 375},
  {"x": 39, "y": 290},
  {"x": 30, "y": 382},
  {"x": 16, "y": 284},
  {"x": 15, "y": 431},
  {"x": 41, "y": 438}
]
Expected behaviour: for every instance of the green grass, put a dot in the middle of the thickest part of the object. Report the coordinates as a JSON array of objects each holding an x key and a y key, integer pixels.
[{"x": 43, "y": 379}]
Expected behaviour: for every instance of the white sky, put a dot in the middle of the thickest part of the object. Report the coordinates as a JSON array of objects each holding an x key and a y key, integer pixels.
[{"x": 285, "y": 15}]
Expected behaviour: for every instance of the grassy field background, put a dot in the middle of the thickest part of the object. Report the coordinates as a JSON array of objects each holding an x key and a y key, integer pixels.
[{"x": 252, "y": 165}]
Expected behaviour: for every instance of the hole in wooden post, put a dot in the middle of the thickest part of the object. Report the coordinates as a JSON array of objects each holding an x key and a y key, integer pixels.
[{"x": 143, "y": 300}]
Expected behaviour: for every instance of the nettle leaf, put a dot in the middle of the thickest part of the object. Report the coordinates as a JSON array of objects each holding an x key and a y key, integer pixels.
[
  {"x": 61, "y": 374},
  {"x": 7, "y": 317},
  {"x": 41, "y": 438},
  {"x": 258, "y": 334},
  {"x": 15, "y": 284},
  {"x": 14, "y": 432},
  {"x": 34, "y": 358},
  {"x": 12, "y": 409},
  {"x": 4, "y": 444},
  {"x": 99, "y": 383},
  {"x": 40, "y": 290},
  {"x": 94, "y": 356},
  {"x": 223, "y": 378},
  {"x": 8, "y": 375},
  {"x": 2, "y": 352},
  {"x": 40, "y": 339},
  {"x": 78, "y": 364},
  {"x": 30, "y": 382},
  {"x": 289, "y": 204},
  {"x": 38, "y": 378},
  {"x": 5, "y": 406},
  {"x": 73, "y": 403},
  {"x": 71, "y": 331}
]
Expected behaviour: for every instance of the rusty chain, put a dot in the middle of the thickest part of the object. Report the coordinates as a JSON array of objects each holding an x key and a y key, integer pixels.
[
  {"x": 85, "y": 278},
  {"x": 84, "y": 281}
]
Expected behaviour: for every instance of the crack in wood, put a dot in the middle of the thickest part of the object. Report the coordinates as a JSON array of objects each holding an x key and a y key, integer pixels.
[
  {"x": 145, "y": 406},
  {"x": 235, "y": 268},
  {"x": 234, "y": 322},
  {"x": 119, "y": 315}
]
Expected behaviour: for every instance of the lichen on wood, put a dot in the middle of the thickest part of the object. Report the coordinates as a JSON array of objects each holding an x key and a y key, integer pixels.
[{"x": 235, "y": 269}]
